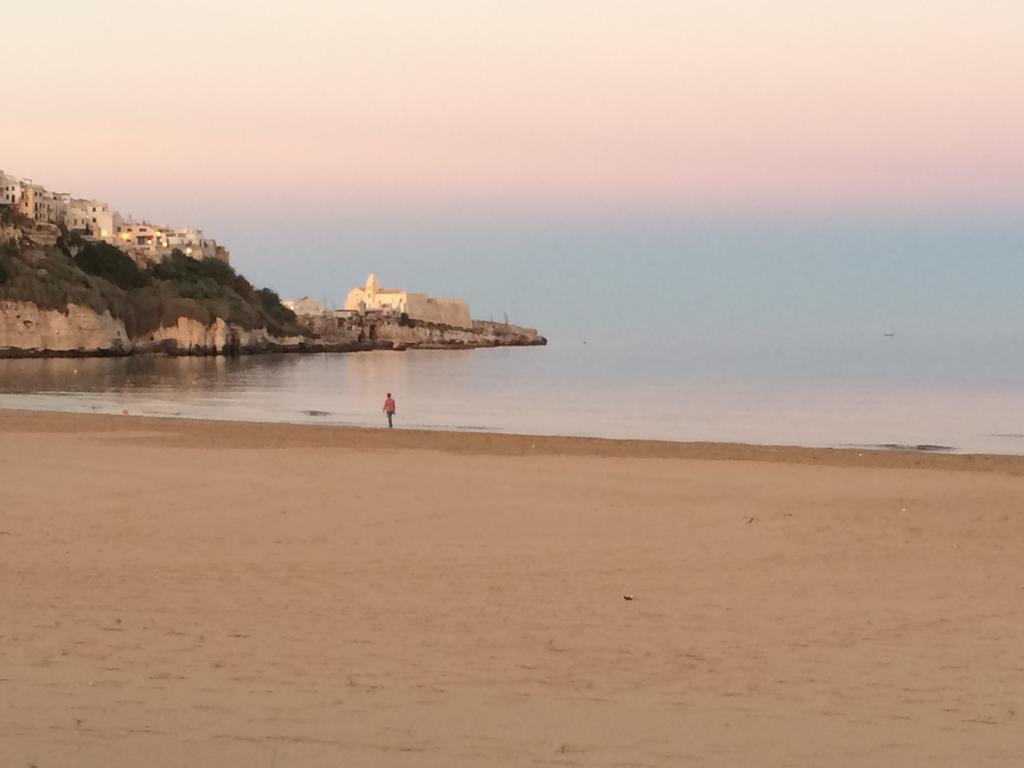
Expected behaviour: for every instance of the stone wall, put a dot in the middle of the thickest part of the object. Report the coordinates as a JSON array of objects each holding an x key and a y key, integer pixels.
[{"x": 453, "y": 312}]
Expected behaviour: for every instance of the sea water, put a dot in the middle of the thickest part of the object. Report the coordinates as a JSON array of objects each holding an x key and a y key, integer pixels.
[{"x": 885, "y": 392}]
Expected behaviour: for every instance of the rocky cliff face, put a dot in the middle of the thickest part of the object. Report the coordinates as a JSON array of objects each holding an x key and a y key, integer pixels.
[
  {"x": 192, "y": 337},
  {"x": 27, "y": 330}
]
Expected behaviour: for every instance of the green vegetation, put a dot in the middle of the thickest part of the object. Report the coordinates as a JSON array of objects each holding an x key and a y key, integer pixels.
[
  {"x": 101, "y": 276},
  {"x": 112, "y": 264}
]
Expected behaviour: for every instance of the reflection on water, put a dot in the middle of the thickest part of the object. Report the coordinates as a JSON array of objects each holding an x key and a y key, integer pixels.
[
  {"x": 181, "y": 375},
  {"x": 336, "y": 389},
  {"x": 584, "y": 391}
]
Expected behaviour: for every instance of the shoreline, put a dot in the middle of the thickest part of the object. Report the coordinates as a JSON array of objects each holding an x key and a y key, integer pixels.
[
  {"x": 229, "y": 434},
  {"x": 311, "y": 348}
]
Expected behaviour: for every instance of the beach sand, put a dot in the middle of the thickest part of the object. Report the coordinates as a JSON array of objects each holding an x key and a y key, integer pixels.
[{"x": 181, "y": 593}]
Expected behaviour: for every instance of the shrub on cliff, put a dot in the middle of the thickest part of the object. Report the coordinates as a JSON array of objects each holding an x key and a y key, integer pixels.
[
  {"x": 188, "y": 273},
  {"x": 172, "y": 309},
  {"x": 8, "y": 251},
  {"x": 275, "y": 310},
  {"x": 111, "y": 263},
  {"x": 50, "y": 280},
  {"x": 221, "y": 292}
]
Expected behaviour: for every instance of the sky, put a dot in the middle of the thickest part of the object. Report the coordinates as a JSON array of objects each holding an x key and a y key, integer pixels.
[{"x": 764, "y": 168}]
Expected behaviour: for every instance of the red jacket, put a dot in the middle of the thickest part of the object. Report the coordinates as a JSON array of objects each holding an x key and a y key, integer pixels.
[{"x": 389, "y": 405}]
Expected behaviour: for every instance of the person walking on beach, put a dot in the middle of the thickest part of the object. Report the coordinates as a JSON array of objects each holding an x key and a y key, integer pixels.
[{"x": 389, "y": 409}]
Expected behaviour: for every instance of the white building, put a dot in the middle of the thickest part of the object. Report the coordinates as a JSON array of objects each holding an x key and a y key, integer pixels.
[
  {"x": 419, "y": 306},
  {"x": 10, "y": 189},
  {"x": 146, "y": 241},
  {"x": 185, "y": 239},
  {"x": 92, "y": 217}
]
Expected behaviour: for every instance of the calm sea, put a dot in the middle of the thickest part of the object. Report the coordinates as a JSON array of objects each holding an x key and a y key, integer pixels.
[{"x": 877, "y": 395}]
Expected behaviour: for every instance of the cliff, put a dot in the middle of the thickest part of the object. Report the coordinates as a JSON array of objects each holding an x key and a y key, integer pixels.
[
  {"x": 27, "y": 330},
  {"x": 61, "y": 294}
]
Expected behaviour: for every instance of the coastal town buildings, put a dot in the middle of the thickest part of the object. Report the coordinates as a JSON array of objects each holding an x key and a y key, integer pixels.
[
  {"x": 371, "y": 300},
  {"x": 40, "y": 204},
  {"x": 144, "y": 242},
  {"x": 10, "y": 189},
  {"x": 418, "y": 306},
  {"x": 96, "y": 220},
  {"x": 184, "y": 238},
  {"x": 147, "y": 242},
  {"x": 91, "y": 217}
]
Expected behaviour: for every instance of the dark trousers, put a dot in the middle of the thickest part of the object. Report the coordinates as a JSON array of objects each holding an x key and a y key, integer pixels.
[{"x": 390, "y": 425}]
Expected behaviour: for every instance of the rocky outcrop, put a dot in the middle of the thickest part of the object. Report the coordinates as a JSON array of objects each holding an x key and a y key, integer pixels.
[
  {"x": 28, "y": 234},
  {"x": 190, "y": 337},
  {"x": 27, "y": 330},
  {"x": 382, "y": 331},
  {"x": 419, "y": 335},
  {"x": 9, "y": 233}
]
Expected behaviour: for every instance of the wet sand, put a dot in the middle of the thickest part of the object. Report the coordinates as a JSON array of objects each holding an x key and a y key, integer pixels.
[{"x": 182, "y": 593}]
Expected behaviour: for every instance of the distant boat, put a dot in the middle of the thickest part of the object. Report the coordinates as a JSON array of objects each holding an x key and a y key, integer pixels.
[{"x": 889, "y": 335}]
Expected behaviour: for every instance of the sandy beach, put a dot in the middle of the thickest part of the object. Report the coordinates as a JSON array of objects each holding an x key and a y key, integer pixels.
[{"x": 180, "y": 593}]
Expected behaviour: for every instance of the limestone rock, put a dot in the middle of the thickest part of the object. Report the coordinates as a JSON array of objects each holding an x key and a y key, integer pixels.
[
  {"x": 27, "y": 329},
  {"x": 190, "y": 337}
]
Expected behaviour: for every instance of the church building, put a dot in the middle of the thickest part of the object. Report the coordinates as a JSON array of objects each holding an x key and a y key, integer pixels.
[{"x": 418, "y": 306}]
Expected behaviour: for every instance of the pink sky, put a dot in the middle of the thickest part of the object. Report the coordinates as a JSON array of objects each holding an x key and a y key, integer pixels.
[{"x": 904, "y": 105}]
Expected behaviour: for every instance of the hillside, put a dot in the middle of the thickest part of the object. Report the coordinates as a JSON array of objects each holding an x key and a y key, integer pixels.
[{"x": 54, "y": 270}]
